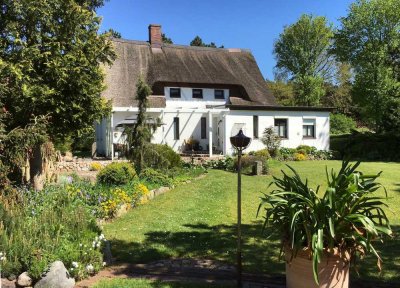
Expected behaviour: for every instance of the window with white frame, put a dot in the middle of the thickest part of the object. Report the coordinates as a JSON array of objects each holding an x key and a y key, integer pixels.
[
  {"x": 281, "y": 127},
  {"x": 308, "y": 128}
]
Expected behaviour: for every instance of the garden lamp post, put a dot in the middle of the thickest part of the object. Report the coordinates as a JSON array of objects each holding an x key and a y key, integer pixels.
[{"x": 239, "y": 142}]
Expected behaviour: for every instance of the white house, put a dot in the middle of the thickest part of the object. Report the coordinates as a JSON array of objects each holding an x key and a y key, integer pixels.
[{"x": 206, "y": 94}]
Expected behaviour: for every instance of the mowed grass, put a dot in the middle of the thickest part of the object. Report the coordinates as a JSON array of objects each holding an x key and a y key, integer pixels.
[
  {"x": 141, "y": 283},
  {"x": 199, "y": 220}
]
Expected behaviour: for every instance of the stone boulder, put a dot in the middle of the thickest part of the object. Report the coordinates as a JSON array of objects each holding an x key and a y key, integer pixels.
[
  {"x": 24, "y": 280},
  {"x": 56, "y": 277}
]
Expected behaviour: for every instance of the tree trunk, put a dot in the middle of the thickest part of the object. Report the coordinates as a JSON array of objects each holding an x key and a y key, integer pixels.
[{"x": 37, "y": 169}]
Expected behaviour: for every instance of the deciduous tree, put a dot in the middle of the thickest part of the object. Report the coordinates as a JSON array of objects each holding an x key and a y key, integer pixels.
[
  {"x": 302, "y": 52},
  {"x": 369, "y": 39}
]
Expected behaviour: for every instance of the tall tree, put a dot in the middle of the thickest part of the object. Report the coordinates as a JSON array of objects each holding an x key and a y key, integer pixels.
[
  {"x": 166, "y": 39},
  {"x": 141, "y": 134},
  {"x": 302, "y": 51},
  {"x": 114, "y": 33},
  {"x": 338, "y": 93},
  {"x": 50, "y": 63},
  {"x": 369, "y": 39}
]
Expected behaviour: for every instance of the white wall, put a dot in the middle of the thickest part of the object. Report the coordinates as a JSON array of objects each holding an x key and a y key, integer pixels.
[
  {"x": 190, "y": 126},
  {"x": 266, "y": 119},
  {"x": 186, "y": 100}
]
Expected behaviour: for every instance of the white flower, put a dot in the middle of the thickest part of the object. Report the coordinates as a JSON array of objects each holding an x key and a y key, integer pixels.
[
  {"x": 94, "y": 244},
  {"x": 104, "y": 264},
  {"x": 80, "y": 245},
  {"x": 2, "y": 256},
  {"x": 89, "y": 268},
  {"x": 101, "y": 237},
  {"x": 75, "y": 264},
  {"x": 71, "y": 269}
]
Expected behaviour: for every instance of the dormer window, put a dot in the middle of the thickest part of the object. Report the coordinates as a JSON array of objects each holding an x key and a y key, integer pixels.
[
  {"x": 175, "y": 92},
  {"x": 197, "y": 93},
  {"x": 219, "y": 94}
]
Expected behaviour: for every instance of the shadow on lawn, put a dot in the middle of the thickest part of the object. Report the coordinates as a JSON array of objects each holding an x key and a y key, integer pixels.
[
  {"x": 397, "y": 189},
  {"x": 204, "y": 241}
]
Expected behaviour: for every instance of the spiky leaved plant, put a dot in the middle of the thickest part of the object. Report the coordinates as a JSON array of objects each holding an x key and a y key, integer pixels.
[{"x": 347, "y": 217}]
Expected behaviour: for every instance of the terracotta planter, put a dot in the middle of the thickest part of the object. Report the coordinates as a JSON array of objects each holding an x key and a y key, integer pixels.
[{"x": 333, "y": 270}]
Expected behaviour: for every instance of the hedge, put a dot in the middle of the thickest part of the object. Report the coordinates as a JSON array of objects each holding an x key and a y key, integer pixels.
[{"x": 367, "y": 146}]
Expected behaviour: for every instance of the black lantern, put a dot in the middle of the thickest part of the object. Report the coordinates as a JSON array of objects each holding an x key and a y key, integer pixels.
[{"x": 239, "y": 142}]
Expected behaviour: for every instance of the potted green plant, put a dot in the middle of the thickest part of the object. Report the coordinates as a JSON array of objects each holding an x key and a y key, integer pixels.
[{"x": 322, "y": 234}]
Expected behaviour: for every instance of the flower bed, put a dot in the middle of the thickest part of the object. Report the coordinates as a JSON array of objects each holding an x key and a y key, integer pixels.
[{"x": 60, "y": 222}]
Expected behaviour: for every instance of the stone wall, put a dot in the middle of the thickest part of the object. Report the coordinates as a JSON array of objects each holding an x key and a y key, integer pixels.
[{"x": 79, "y": 164}]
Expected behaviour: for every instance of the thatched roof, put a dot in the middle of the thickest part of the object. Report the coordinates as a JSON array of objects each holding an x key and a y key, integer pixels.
[{"x": 183, "y": 66}]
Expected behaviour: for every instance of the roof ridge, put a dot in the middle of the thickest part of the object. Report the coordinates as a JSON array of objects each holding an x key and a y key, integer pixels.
[{"x": 179, "y": 46}]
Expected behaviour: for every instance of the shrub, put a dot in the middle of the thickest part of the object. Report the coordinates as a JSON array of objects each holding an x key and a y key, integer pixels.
[
  {"x": 271, "y": 140},
  {"x": 155, "y": 177},
  {"x": 103, "y": 200},
  {"x": 95, "y": 166},
  {"x": 341, "y": 124},
  {"x": 286, "y": 154},
  {"x": 367, "y": 146},
  {"x": 261, "y": 153},
  {"x": 226, "y": 164},
  {"x": 116, "y": 173},
  {"x": 39, "y": 227},
  {"x": 299, "y": 157},
  {"x": 161, "y": 156},
  {"x": 248, "y": 162},
  {"x": 307, "y": 150}
]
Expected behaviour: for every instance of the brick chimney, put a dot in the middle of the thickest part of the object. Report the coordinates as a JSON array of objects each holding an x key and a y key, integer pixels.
[{"x": 155, "y": 38}]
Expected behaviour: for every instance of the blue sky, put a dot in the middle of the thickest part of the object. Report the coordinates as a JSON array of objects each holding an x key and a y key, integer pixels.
[{"x": 252, "y": 24}]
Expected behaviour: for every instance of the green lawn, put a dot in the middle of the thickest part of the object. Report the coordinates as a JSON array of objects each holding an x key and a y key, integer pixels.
[
  {"x": 198, "y": 220},
  {"x": 139, "y": 283}
]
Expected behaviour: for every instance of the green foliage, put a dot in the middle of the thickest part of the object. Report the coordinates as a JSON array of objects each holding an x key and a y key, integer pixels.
[
  {"x": 166, "y": 39},
  {"x": 83, "y": 140},
  {"x": 308, "y": 90},
  {"x": 161, "y": 156},
  {"x": 226, "y": 163},
  {"x": 283, "y": 92},
  {"x": 302, "y": 52},
  {"x": 63, "y": 144},
  {"x": 39, "y": 227},
  {"x": 338, "y": 94},
  {"x": 367, "y": 146},
  {"x": 248, "y": 162},
  {"x": 341, "y": 124},
  {"x": 18, "y": 146},
  {"x": 287, "y": 153},
  {"x": 117, "y": 173},
  {"x": 155, "y": 177},
  {"x": 346, "y": 217},
  {"x": 113, "y": 33},
  {"x": 304, "y": 152},
  {"x": 261, "y": 153},
  {"x": 104, "y": 200},
  {"x": 197, "y": 41},
  {"x": 271, "y": 140},
  {"x": 369, "y": 40},
  {"x": 139, "y": 137},
  {"x": 53, "y": 70}
]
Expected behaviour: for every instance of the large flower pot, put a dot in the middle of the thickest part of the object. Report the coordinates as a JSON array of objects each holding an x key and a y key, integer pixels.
[{"x": 333, "y": 271}]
